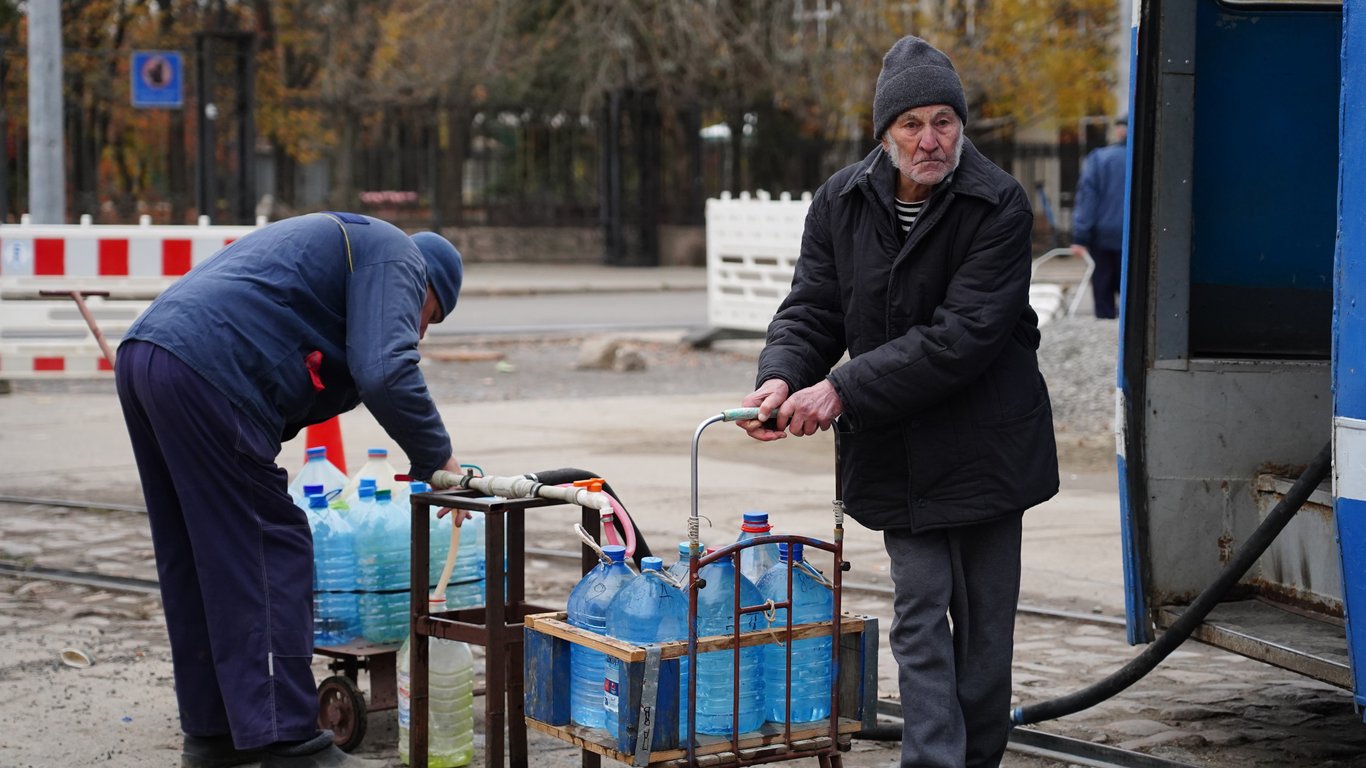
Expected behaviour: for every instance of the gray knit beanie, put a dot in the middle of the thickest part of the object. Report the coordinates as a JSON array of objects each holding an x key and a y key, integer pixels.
[{"x": 914, "y": 74}]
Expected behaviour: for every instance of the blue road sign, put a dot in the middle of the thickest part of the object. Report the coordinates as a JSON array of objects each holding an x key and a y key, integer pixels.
[{"x": 158, "y": 79}]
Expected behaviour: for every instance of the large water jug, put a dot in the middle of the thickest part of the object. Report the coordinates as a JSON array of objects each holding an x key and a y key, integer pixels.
[
  {"x": 450, "y": 700},
  {"x": 678, "y": 572},
  {"x": 587, "y": 609},
  {"x": 336, "y": 612},
  {"x": 357, "y": 504},
  {"x": 715, "y": 670},
  {"x": 317, "y": 470},
  {"x": 378, "y": 468},
  {"x": 305, "y": 503},
  {"x": 382, "y": 556},
  {"x": 466, "y": 589},
  {"x": 438, "y": 536},
  {"x": 755, "y": 561},
  {"x": 649, "y": 609},
  {"x": 812, "y": 601}
]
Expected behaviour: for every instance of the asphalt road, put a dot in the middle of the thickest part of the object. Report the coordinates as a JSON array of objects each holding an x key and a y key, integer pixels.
[{"x": 574, "y": 312}]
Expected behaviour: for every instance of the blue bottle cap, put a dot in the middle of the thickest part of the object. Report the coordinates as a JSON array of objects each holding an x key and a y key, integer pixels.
[
  {"x": 417, "y": 486},
  {"x": 755, "y": 516},
  {"x": 615, "y": 552},
  {"x": 317, "y": 501},
  {"x": 651, "y": 564},
  {"x": 317, "y": 452},
  {"x": 685, "y": 548},
  {"x": 377, "y": 452},
  {"x": 309, "y": 490},
  {"x": 796, "y": 556},
  {"x": 366, "y": 491},
  {"x": 368, "y": 481}
]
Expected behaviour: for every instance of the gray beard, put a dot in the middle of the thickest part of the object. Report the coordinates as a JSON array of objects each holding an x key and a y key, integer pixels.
[{"x": 893, "y": 153}]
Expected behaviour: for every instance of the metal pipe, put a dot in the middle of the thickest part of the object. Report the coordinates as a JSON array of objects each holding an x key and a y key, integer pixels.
[{"x": 523, "y": 487}]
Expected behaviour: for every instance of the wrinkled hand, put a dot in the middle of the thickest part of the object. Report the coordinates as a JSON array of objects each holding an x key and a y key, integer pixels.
[
  {"x": 769, "y": 397},
  {"x": 811, "y": 409},
  {"x": 1079, "y": 250}
]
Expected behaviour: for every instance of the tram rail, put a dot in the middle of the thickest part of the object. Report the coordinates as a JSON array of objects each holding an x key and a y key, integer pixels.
[
  {"x": 564, "y": 554},
  {"x": 1023, "y": 740}
]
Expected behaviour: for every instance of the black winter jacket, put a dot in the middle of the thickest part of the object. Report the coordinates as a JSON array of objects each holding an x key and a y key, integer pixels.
[{"x": 946, "y": 417}]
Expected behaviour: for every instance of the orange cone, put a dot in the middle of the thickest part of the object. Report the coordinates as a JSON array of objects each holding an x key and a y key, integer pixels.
[{"x": 328, "y": 435}]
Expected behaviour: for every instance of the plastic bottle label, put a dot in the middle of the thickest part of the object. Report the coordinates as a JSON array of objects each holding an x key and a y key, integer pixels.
[
  {"x": 611, "y": 690},
  {"x": 404, "y": 699}
]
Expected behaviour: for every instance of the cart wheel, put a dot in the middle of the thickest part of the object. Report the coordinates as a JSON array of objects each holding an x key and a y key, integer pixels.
[{"x": 341, "y": 708}]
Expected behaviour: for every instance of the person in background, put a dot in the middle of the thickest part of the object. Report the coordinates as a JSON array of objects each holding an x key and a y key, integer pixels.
[
  {"x": 1098, "y": 219},
  {"x": 916, "y": 262},
  {"x": 288, "y": 326}
]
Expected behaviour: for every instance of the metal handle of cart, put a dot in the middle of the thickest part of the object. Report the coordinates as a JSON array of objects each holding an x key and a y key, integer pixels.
[{"x": 697, "y": 560}]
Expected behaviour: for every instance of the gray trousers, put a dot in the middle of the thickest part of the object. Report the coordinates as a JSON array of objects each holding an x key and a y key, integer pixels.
[{"x": 955, "y": 679}]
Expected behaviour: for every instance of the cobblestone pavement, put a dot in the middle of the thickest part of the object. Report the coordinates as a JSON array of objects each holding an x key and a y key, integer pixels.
[{"x": 1202, "y": 706}]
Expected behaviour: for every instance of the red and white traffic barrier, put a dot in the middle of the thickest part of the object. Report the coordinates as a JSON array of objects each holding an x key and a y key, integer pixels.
[
  {"x": 42, "y": 337},
  {"x": 127, "y": 261}
]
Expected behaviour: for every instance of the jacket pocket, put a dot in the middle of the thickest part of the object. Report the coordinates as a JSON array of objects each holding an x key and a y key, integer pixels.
[
  {"x": 290, "y": 387},
  {"x": 874, "y": 474}
]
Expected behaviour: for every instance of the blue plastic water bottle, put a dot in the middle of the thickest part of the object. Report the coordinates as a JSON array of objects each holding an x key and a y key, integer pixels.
[
  {"x": 755, "y": 561},
  {"x": 812, "y": 601},
  {"x": 358, "y": 503},
  {"x": 715, "y": 670},
  {"x": 587, "y": 609},
  {"x": 317, "y": 470},
  {"x": 466, "y": 588},
  {"x": 679, "y": 573},
  {"x": 382, "y": 549},
  {"x": 336, "y": 616},
  {"x": 679, "y": 570},
  {"x": 649, "y": 609},
  {"x": 438, "y": 536},
  {"x": 305, "y": 501}
]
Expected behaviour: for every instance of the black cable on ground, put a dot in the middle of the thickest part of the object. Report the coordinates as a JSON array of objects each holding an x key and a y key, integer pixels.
[{"x": 1191, "y": 618}]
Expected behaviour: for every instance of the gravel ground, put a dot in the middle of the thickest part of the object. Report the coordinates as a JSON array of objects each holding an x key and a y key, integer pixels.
[{"x": 1077, "y": 357}]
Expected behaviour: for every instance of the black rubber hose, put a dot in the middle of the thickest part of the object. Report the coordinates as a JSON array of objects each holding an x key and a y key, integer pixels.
[
  {"x": 571, "y": 475},
  {"x": 1191, "y": 618}
]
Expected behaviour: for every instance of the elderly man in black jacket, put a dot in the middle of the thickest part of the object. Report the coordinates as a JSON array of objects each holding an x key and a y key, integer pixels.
[{"x": 916, "y": 262}]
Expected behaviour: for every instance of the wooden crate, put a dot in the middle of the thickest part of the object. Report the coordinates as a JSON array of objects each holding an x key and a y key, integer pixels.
[{"x": 547, "y": 640}]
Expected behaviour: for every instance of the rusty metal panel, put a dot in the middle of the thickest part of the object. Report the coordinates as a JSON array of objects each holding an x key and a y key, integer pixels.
[
  {"x": 1302, "y": 566},
  {"x": 1210, "y": 431},
  {"x": 1287, "y": 639}
]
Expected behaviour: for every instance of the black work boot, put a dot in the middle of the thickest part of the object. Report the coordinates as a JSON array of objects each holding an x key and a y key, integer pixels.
[
  {"x": 317, "y": 752},
  {"x": 215, "y": 752}
]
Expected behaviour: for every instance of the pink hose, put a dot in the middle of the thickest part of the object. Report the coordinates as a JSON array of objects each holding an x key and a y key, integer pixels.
[{"x": 610, "y": 534}]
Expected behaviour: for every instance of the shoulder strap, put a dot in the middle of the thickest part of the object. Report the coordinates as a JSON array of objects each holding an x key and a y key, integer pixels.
[{"x": 345, "y": 237}]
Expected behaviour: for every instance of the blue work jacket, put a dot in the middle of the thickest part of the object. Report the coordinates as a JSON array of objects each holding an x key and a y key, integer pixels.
[
  {"x": 304, "y": 319},
  {"x": 1098, "y": 218}
]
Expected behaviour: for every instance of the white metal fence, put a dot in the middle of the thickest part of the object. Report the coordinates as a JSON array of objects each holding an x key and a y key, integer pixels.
[
  {"x": 752, "y": 248},
  {"x": 753, "y": 242}
]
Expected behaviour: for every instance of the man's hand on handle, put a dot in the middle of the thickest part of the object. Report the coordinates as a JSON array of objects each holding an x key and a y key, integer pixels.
[
  {"x": 453, "y": 465},
  {"x": 813, "y": 408},
  {"x": 801, "y": 414}
]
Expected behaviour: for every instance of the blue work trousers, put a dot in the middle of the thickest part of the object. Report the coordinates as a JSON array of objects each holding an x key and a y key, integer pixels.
[
  {"x": 955, "y": 678},
  {"x": 234, "y": 554},
  {"x": 1105, "y": 282}
]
